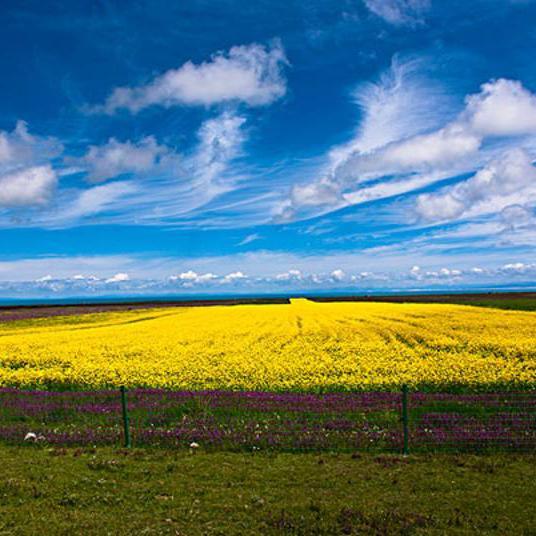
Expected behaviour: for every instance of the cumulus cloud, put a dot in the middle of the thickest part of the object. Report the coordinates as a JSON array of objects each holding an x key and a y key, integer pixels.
[
  {"x": 502, "y": 108},
  {"x": 19, "y": 147},
  {"x": 190, "y": 278},
  {"x": 399, "y": 12},
  {"x": 519, "y": 268},
  {"x": 118, "y": 278},
  {"x": 419, "y": 274},
  {"x": 251, "y": 74},
  {"x": 369, "y": 276},
  {"x": 26, "y": 175},
  {"x": 82, "y": 277},
  {"x": 491, "y": 188},
  {"x": 117, "y": 158},
  {"x": 190, "y": 275},
  {"x": 27, "y": 187},
  {"x": 290, "y": 275},
  {"x": 234, "y": 276},
  {"x": 338, "y": 275},
  {"x": 24, "y": 277}
]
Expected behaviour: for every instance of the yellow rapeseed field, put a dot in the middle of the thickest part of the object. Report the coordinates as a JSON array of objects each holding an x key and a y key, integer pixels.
[{"x": 301, "y": 346}]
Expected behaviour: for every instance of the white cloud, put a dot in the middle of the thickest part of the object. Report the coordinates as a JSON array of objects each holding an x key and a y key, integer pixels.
[
  {"x": 519, "y": 268},
  {"x": 395, "y": 162},
  {"x": 399, "y": 12},
  {"x": 291, "y": 275},
  {"x": 421, "y": 157},
  {"x": 190, "y": 275},
  {"x": 323, "y": 192},
  {"x": 82, "y": 277},
  {"x": 252, "y": 74},
  {"x": 502, "y": 108},
  {"x": 116, "y": 158},
  {"x": 490, "y": 189},
  {"x": 20, "y": 148},
  {"x": 175, "y": 187},
  {"x": 148, "y": 276},
  {"x": 234, "y": 276},
  {"x": 418, "y": 274},
  {"x": 383, "y": 189},
  {"x": 30, "y": 269},
  {"x": 368, "y": 276},
  {"x": 118, "y": 278},
  {"x": 428, "y": 151},
  {"x": 401, "y": 105},
  {"x": 27, "y": 187},
  {"x": 190, "y": 278},
  {"x": 26, "y": 175},
  {"x": 249, "y": 238},
  {"x": 514, "y": 216},
  {"x": 220, "y": 139},
  {"x": 91, "y": 202},
  {"x": 445, "y": 147},
  {"x": 203, "y": 278},
  {"x": 338, "y": 275}
]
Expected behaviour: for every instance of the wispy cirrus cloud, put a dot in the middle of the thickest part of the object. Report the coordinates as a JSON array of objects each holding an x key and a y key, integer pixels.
[
  {"x": 174, "y": 185},
  {"x": 403, "y": 103},
  {"x": 403, "y": 154},
  {"x": 249, "y": 238},
  {"x": 400, "y": 12}
]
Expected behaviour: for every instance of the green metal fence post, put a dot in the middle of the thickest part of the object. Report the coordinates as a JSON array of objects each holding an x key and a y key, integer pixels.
[
  {"x": 405, "y": 419},
  {"x": 125, "y": 416}
]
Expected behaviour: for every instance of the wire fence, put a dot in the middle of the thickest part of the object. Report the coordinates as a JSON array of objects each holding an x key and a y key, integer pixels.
[{"x": 400, "y": 421}]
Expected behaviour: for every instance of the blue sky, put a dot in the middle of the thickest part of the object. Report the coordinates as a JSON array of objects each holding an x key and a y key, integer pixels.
[{"x": 222, "y": 146}]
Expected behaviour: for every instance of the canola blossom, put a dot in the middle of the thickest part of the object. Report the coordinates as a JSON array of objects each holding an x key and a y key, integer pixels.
[{"x": 302, "y": 346}]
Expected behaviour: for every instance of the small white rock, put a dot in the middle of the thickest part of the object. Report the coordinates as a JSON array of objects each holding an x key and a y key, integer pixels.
[
  {"x": 30, "y": 436},
  {"x": 194, "y": 445}
]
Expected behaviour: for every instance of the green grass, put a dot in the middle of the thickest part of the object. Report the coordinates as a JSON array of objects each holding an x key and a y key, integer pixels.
[
  {"x": 152, "y": 491},
  {"x": 522, "y": 301},
  {"x": 514, "y": 304}
]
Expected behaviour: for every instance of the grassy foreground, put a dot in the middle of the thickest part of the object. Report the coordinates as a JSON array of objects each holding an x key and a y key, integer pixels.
[{"x": 105, "y": 491}]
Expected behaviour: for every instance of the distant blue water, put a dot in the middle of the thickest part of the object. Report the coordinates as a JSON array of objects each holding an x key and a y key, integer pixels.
[{"x": 80, "y": 300}]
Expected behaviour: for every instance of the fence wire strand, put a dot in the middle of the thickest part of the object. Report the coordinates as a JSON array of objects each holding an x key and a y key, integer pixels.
[{"x": 476, "y": 422}]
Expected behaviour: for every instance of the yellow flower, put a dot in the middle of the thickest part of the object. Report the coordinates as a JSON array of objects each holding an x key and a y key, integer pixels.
[{"x": 301, "y": 346}]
